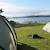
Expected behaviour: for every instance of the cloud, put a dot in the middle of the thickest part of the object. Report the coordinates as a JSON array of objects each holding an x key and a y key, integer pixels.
[{"x": 14, "y": 10}]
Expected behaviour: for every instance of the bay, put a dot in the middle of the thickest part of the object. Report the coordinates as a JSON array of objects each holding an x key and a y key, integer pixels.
[{"x": 37, "y": 19}]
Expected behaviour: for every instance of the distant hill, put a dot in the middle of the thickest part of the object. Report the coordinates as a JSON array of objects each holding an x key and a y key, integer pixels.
[
  {"x": 29, "y": 16},
  {"x": 39, "y": 16},
  {"x": 33, "y": 16}
]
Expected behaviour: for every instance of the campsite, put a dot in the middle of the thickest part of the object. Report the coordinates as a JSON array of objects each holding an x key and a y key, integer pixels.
[
  {"x": 24, "y": 24},
  {"x": 26, "y": 42}
]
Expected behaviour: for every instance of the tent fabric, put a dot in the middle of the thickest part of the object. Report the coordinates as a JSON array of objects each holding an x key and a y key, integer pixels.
[
  {"x": 47, "y": 27},
  {"x": 8, "y": 38}
]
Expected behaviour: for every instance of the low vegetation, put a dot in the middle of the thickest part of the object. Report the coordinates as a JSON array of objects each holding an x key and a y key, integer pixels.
[{"x": 26, "y": 42}]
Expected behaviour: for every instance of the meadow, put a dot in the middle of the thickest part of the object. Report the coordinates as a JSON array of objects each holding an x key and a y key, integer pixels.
[{"x": 27, "y": 42}]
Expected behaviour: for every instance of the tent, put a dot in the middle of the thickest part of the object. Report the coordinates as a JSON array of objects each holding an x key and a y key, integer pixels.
[
  {"x": 8, "y": 38},
  {"x": 47, "y": 27}
]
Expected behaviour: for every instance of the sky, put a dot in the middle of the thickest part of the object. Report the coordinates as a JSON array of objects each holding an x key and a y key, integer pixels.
[{"x": 17, "y": 8}]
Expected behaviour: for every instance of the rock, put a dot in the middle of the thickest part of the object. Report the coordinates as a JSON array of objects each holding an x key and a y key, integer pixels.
[{"x": 37, "y": 36}]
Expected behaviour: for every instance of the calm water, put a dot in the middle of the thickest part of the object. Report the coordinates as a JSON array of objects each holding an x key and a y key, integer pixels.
[{"x": 30, "y": 19}]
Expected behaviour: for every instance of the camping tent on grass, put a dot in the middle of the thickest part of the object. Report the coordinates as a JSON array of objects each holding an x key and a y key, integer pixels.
[{"x": 47, "y": 27}]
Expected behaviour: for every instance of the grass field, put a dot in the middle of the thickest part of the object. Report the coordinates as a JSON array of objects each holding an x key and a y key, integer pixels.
[{"x": 26, "y": 42}]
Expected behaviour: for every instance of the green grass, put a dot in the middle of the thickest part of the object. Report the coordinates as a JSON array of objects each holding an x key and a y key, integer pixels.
[{"x": 28, "y": 43}]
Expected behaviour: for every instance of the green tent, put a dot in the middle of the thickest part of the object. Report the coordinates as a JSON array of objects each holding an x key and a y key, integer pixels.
[{"x": 8, "y": 38}]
